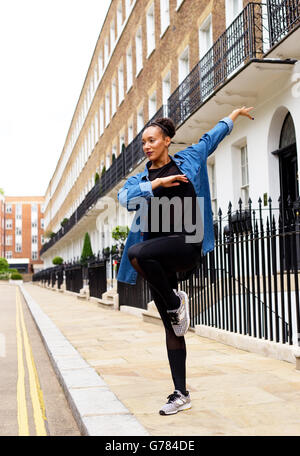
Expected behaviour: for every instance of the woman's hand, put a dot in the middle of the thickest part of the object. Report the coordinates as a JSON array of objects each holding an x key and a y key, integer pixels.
[
  {"x": 241, "y": 112},
  {"x": 169, "y": 181}
]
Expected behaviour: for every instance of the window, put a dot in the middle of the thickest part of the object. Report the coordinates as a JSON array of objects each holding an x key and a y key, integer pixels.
[
  {"x": 18, "y": 231},
  {"x": 107, "y": 162},
  {"x": 232, "y": 9},
  {"x": 183, "y": 65},
  {"x": 130, "y": 133},
  {"x": 121, "y": 142},
  {"x": 152, "y": 105},
  {"x": 127, "y": 7},
  {"x": 113, "y": 97},
  {"x": 107, "y": 109},
  {"x": 119, "y": 18},
  {"x": 150, "y": 30},
  {"x": 139, "y": 50},
  {"x": 114, "y": 152},
  {"x": 164, "y": 16},
  {"x": 8, "y": 254},
  {"x": 112, "y": 35},
  {"x": 100, "y": 64},
  {"x": 8, "y": 224},
  {"x": 205, "y": 37},
  {"x": 34, "y": 239},
  {"x": 129, "y": 68},
  {"x": 245, "y": 175},
  {"x": 96, "y": 128},
  {"x": 34, "y": 255},
  {"x": 106, "y": 52},
  {"x": 121, "y": 83},
  {"x": 101, "y": 118},
  {"x": 18, "y": 248},
  {"x": 8, "y": 240},
  {"x": 166, "y": 88},
  {"x": 8, "y": 208},
  {"x": 140, "y": 120}
]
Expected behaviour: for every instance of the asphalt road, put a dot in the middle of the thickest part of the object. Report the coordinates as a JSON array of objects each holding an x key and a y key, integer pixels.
[{"x": 32, "y": 400}]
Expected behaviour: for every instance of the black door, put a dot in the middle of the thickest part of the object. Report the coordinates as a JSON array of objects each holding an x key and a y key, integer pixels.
[{"x": 289, "y": 192}]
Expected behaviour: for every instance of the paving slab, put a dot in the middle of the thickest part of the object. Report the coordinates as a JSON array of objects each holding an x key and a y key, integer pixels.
[{"x": 120, "y": 376}]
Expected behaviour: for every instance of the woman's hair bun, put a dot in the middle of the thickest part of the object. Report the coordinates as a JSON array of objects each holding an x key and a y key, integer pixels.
[{"x": 166, "y": 124}]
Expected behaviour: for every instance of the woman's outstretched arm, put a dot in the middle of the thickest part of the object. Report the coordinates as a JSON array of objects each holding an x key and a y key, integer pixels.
[{"x": 241, "y": 112}]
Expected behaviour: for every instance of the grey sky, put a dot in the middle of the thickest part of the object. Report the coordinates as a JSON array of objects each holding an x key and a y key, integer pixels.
[{"x": 46, "y": 48}]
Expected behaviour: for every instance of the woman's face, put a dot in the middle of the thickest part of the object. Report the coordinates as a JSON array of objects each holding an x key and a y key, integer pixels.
[{"x": 154, "y": 143}]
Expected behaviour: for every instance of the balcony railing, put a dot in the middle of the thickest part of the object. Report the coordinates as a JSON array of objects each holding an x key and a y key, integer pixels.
[
  {"x": 284, "y": 16},
  {"x": 242, "y": 41}
]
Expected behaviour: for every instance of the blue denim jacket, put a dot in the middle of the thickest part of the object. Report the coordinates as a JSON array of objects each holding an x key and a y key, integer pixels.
[{"x": 192, "y": 162}]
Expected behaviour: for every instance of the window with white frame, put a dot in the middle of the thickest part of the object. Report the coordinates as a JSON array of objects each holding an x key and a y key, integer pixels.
[
  {"x": 121, "y": 142},
  {"x": 121, "y": 83},
  {"x": 100, "y": 65},
  {"x": 42, "y": 223},
  {"x": 140, "y": 120},
  {"x": 205, "y": 36},
  {"x": 129, "y": 68},
  {"x": 244, "y": 175},
  {"x": 8, "y": 208},
  {"x": 96, "y": 127},
  {"x": 106, "y": 52},
  {"x": 8, "y": 240},
  {"x": 119, "y": 18},
  {"x": 34, "y": 239},
  {"x": 18, "y": 231},
  {"x": 113, "y": 97},
  {"x": 107, "y": 162},
  {"x": 130, "y": 132},
  {"x": 232, "y": 9},
  {"x": 8, "y": 224},
  {"x": 34, "y": 255},
  {"x": 18, "y": 211},
  {"x": 150, "y": 24},
  {"x": 114, "y": 152},
  {"x": 139, "y": 50},
  {"x": 112, "y": 35},
  {"x": 164, "y": 15},
  {"x": 8, "y": 254},
  {"x": 127, "y": 7},
  {"x": 42, "y": 239},
  {"x": 166, "y": 88},
  {"x": 152, "y": 105},
  {"x": 107, "y": 109},
  {"x": 183, "y": 65},
  {"x": 101, "y": 119}
]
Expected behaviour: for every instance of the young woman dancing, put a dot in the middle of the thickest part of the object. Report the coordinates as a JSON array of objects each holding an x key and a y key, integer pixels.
[{"x": 158, "y": 253}]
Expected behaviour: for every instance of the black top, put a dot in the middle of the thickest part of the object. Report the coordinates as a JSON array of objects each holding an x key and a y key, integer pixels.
[{"x": 185, "y": 189}]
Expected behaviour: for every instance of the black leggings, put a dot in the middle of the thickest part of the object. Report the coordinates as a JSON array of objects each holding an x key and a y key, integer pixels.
[{"x": 158, "y": 260}]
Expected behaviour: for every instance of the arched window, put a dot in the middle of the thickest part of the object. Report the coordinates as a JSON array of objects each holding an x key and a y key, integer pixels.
[{"x": 287, "y": 135}]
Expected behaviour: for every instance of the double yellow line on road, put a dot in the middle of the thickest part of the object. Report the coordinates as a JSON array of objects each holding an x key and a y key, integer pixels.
[{"x": 36, "y": 393}]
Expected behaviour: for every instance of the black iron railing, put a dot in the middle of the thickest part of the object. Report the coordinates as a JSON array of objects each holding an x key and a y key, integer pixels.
[
  {"x": 283, "y": 17},
  {"x": 249, "y": 284},
  {"x": 97, "y": 277}
]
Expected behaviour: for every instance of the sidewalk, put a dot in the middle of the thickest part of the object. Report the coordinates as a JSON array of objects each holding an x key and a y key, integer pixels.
[{"x": 233, "y": 392}]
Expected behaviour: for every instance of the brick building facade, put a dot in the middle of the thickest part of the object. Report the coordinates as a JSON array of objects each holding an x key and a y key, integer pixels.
[{"x": 22, "y": 231}]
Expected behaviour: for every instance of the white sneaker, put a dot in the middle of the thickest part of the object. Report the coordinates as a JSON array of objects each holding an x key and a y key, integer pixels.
[
  {"x": 180, "y": 318},
  {"x": 176, "y": 402}
]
